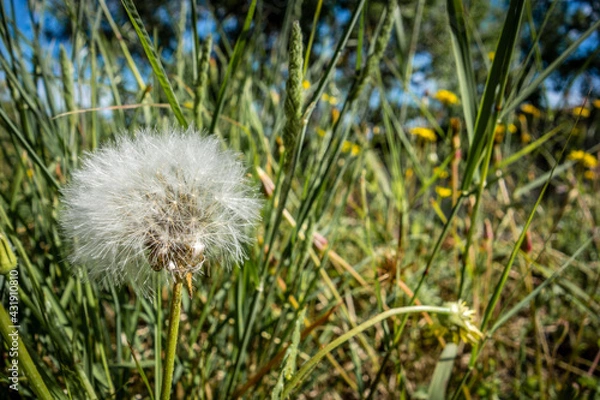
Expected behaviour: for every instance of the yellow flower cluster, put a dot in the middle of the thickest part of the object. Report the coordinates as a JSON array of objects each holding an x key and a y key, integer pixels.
[
  {"x": 531, "y": 110},
  {"x": 443, "y": 192},
  {"x": 501, "y": 130},
  {"x": 349, "y": 147},
  {"x": 581, "y": 112},
  {"x": 446, "y": 97},
  {"x": 426, "y": 133},
  {"x": 335, "y": 115},
  {"x": 330, "y": 99},
  {"x": 588, "y": 160}
]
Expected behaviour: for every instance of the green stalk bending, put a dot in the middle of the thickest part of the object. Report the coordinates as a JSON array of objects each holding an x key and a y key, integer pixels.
[
  {"x": 291, "y": 133},
  {"x": 312, "y": 363},
  {"x": 172, "y": 338},
  {"x": 202, "y": 81}
]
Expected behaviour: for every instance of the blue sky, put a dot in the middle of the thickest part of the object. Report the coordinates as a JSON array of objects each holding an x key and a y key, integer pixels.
[{"x": 206, "y": 24}]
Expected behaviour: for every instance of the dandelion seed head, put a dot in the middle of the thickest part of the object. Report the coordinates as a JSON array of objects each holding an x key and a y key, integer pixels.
[{"x": 160, "y": 201}]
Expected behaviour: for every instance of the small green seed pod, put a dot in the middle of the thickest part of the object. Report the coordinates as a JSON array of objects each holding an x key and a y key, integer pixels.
[{"x": 8, "y": 261}]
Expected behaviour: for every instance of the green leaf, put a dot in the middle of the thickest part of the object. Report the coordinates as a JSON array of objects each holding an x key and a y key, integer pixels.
[
  {"x": 464, "y": 63},
  {"x": 441, "y": 374}
]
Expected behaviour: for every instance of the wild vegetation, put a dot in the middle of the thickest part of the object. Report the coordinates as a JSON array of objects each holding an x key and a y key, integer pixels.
[{"x": 412, "y": 243}]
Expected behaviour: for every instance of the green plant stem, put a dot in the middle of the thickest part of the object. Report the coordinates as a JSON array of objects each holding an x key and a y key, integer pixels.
[
  {"x": 312, "y": 363},
  {"x": 154, "y": 59},
  {"x": 172, "y": 338},
  {"x": 482, "y": 185},
  {"x": 25, "y": 362},
  {"x": 158, "y": 336}
]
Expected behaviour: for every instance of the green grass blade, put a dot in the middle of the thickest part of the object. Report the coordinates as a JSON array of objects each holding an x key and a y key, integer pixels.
[
  {"x": 539, "y": 80},
  {"x": 30, "y": 151},
  {"x": 527, "y": 299},
  {"x": 530, "y": 147},
  {"x": 441, "y": 373},
  {"x": 493, "y": 89},
  {"x": 464, "y": 63},
  {"x": 154, "y": 59},
  {"x": 308, "y": 366},
  {"x": 25, "y": 362},
  {"x": 238, "y": 50}
]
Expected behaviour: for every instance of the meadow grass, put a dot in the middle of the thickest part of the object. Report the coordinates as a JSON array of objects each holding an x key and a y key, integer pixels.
[{"x": 377, "y": 220}]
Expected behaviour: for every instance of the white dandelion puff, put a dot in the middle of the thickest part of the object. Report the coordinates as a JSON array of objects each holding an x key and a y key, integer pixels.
[{"x": 161, "y": 201}]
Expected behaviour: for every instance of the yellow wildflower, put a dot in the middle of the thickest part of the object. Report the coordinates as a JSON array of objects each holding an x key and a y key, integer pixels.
[
  {"x": 409, "y": 173},
  {"x": 321, "y": 132},
  {"x": 576, "y": 155},
  {"x": 349, "y": 147},
  {"x": 525, "y": 138},
  {"x": 442, "y": 173},
  {"x": 512, "y": 128},
  {"x": 425, "y": 133},
  {"x": 443, "y": 192},
  {"x": 491, "y": 55},
  {"x": 346, "y": 146},
  {"x": 330, "y": 99},
  {"x": 581, "y": 112},
  {"x": 596, "y": 103},
  {"x": 446, "y": 97},
  {"x": 335, "y": 115},
  {"x": 589, "y": 174},
  {"x": 306, "y": 84},
  {"x": 588, "y": 160},
  {"x": 531, "y": 109},
  {"x": 523, "y": 121},
  {"x": 499, "y": 133}
]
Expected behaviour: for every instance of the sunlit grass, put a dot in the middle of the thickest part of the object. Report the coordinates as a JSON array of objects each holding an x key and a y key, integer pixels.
[{"x": 377, "y": 220}]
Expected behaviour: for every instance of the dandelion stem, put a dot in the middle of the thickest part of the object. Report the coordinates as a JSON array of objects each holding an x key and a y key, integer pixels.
[{"x": 172, "y": 338}]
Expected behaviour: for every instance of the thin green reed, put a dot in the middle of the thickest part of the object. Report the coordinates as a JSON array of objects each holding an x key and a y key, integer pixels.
[
  {"x": 238, "y": 51},
  {"x": 494, "y": 90},
  {"x": 334, "y": 146},
  {"x": 291, "y": 133},
  {"x": 154, "y": 60},
  {"x": 493, "y": 302},
  {"x": 461, "y": 47},
  {"x": 202, "y": 80}
]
